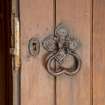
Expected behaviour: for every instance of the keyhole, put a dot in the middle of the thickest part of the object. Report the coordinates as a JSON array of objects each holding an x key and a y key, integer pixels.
[{"x": 34, "y": 46}]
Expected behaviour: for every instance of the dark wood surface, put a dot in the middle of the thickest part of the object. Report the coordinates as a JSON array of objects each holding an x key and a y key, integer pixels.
[
  {"x": 2, "y": 57},
  {"x": 5, "y": 61}
]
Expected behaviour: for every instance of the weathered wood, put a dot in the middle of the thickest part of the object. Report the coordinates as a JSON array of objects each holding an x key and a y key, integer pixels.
[
  {"x": 99, "y": 52},
  {"x": 37, "y": 86},
  {"x": 76, "y": 15}
]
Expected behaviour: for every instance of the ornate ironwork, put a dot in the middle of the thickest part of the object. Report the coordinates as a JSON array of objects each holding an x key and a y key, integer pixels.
[{"x": 61, "y": 45}]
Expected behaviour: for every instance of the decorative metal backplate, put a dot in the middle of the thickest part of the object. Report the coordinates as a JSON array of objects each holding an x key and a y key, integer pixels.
[
  {"x": 34, "y": 46},
  {"x": 60, "y": 45}
]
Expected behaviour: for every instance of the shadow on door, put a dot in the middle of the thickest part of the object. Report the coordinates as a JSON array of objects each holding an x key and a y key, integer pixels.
[{"x": 5, "y": 58}]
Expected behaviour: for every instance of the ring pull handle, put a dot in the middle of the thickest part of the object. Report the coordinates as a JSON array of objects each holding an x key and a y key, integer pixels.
[
  {"x": 60, "y": 46},
  {"x": 55, "y": 67}
]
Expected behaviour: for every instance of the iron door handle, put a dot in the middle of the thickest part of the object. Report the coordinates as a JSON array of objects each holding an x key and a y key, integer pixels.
[{"x": 60, "y": 46}]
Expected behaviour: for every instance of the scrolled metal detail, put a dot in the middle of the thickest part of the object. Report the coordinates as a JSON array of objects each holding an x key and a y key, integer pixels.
[{"x": 61, "y": 45}]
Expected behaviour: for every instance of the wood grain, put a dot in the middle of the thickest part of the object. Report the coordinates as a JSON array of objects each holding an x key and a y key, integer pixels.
[
  {"x": 99, "y": 52},
  {"x": 37, "y": 86},
  {"x": 76, "y": 15}
]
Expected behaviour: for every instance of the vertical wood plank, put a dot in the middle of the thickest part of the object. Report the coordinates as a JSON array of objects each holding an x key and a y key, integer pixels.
[
  {"x": 37, "y": 86},
  {"x": 76, "y": 15},
  {"x": 99, "y": 52}
]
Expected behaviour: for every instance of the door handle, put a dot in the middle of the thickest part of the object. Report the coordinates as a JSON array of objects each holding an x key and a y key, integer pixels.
[{"x": 60, "y": 46}]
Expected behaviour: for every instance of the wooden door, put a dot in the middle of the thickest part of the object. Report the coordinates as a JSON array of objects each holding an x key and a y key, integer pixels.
[
  {"x": 85, "y": 21},
  {"x": 98, "y": 52}
]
